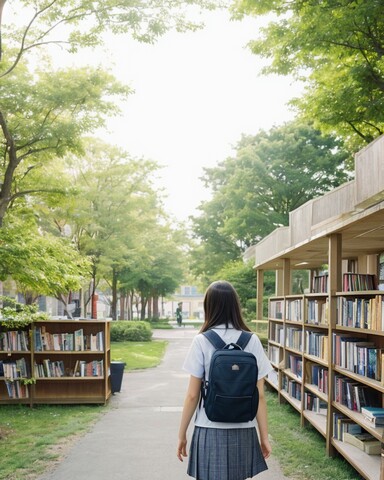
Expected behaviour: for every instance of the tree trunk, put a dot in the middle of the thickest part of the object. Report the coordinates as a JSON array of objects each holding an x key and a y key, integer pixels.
[
  {"x": 114, "y": 294},
  {"x": 155, "y": 309},
  {"x": 143, "y": 307},
  {"x": 11, "y": 162},
  {"x": 122, "y": 306},
  {"x": 149, "y": 303}
]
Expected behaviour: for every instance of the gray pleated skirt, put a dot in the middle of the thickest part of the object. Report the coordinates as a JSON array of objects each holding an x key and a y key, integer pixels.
[{"x": 225, "y": 454}]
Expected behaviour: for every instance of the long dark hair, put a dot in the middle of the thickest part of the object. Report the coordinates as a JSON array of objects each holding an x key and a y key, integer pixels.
[{"x": 222, "y": 306}]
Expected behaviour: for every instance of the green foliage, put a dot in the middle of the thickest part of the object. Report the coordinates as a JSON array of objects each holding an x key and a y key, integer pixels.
[
  {"x": 15, "y": 315},
  {"x": 43, "y": 116},
  {"x": 243, "y": 278},
  {"x": 132, "y": 331},
  {"x": 39, "y": 264},
  {"x": 336, "y": 48},
  {"x": 272, "y": 174}
]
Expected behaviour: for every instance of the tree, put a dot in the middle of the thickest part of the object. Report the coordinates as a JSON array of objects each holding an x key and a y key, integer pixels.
[
  {"x": 272, "y": 174},
  {"x": 336, "y": 48},
  {"x": 76, "y": 24},
  {"x": 43, "y": 116},
  {"x": 40, "y": 264}
]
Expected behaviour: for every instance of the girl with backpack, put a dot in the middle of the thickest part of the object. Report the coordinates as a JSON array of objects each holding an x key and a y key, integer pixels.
[{"x": 229, "y": 449}]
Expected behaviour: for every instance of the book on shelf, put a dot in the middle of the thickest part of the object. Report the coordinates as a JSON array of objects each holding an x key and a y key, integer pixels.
[
  {"x": 294, "y": 338},
  {"x": 354, "y": 395},
  {"x": 320, "y": 283},
  {"x": 316, "y": 344},
  {"x": 314, "y": 403},
  {"x": 14, "y": 340},
  {"x": 355, "y": 282},
  {"x": 366, "y": 313},
  {"x": 357, "y": 356},
  {"x": 363, "y": 441},
  {"x": 317, "y": 311},
  {"x": 16, "y": 389},
  {"x": 294, "y": 310},
  {"x": 373, "y": 412},
  {"x": 276, "y": 309},
  {"x": 15, "y": 369},
  {"x": 94, "y": 368},
  {"x": 292, "y": 387},
  {"x": 342, "y": 425},
  {"x": 317, "y": 375},
  {"x": 274, "y": 354},
  {"x": 296, "y": 365}
]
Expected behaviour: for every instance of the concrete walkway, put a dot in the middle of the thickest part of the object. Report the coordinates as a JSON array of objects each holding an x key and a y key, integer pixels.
[{"x": 136, "y": 439}]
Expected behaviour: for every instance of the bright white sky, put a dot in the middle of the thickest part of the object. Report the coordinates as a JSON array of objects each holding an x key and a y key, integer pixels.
[{"x": 195, "y": 94}]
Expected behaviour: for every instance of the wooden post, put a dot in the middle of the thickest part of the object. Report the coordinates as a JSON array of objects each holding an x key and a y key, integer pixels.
[
  {"x": 259, "y": 294},
  {"x": 334, "y": 285}
]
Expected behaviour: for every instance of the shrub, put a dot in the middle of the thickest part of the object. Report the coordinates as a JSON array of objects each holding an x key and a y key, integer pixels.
[{"x": 131, "y": 331}]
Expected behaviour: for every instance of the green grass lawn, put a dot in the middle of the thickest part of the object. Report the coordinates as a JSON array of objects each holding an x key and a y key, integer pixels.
[
  {"x": 30, "y": 439},
  {"x": 137, "y": 355}
]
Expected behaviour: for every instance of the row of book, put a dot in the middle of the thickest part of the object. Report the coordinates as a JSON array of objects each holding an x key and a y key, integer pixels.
[
  {"x": 357, "y": 356},
  {"x": 346, "y": 430},
  {"x": 316, "y": 344},
  {"x": 354, "y": 395},
  {"x": 14, "y": 340},
  {"x": 292, "y": 387},
  {"x": 55, "y": 369},
  {"x": 355, "y": 282},
  {"x": 294, "y": 338},
  {"x": 277, "y": 333},
  {"x": 320, "y": 283},
  {"x": 16, "y": 389},
  {"x": 317, "y": 375},
  {"x": 73, "y": 341},
  {"x": 276, "y": 309},
  {"x": 14, "y": 369},
  {"x": 365, "y": 313},
  {"x": 294, "y": 310},
  {"x": 274, "y": 354},
  {"x": 352, "y": 282},
  {"x": 296, "y": 365},
  {"x": 317, "y": 311},
  {"x": 313, "y": 403}
]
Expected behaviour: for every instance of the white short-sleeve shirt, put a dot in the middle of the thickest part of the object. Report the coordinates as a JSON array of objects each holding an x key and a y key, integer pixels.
[{"x": 198, "y": 360}]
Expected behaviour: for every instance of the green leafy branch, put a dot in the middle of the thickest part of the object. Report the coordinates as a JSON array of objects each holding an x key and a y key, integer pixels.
[{"x": 18, "y": 315}]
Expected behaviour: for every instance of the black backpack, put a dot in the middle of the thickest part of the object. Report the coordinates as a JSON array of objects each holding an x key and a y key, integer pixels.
[{"x": 231, "y": 394}]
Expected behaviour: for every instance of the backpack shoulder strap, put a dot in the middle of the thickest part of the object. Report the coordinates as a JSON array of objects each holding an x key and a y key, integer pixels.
[
  {"x": 244, "y": 338},
  {"x": 215, "y": 339}
]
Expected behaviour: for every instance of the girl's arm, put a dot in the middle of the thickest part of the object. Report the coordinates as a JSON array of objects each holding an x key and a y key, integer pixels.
[
  {"x": 190, "y": 403},
  {"x": 262, "y": 421}
]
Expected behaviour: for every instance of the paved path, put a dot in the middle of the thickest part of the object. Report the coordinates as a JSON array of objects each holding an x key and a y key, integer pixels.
[{"x": 136, "y": 439}]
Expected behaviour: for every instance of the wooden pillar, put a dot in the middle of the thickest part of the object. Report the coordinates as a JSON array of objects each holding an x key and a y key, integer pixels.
[
  {"x": 259, "y": 294},
  {"x": 283, "y": 279},
  {"x": 334, "y": 285}
]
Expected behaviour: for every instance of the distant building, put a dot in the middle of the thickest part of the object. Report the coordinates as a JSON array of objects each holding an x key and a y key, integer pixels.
[{"x": 192, "y": 303}]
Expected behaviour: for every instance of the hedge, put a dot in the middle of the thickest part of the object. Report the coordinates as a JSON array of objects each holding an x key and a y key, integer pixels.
[{"x": 130, "y": 331}]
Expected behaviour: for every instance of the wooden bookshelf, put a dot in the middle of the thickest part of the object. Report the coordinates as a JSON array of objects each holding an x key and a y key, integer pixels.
[
  {"x": 67, "y": 362},
  {"x": 334, "y": 332}
]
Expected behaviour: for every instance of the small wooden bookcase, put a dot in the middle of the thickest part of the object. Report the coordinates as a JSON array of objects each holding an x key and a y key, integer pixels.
[{"x": 56, "y": 362}]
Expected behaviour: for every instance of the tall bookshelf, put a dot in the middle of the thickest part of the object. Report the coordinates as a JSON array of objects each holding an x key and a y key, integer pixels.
[
  {"x": 327, "y": 344},
  {"x": 56, "y": 362}
]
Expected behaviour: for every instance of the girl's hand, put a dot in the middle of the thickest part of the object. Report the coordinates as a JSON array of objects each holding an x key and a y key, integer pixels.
[
  {"x": 266, "y": 448},
  {"x": 182, "y": 449}
]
